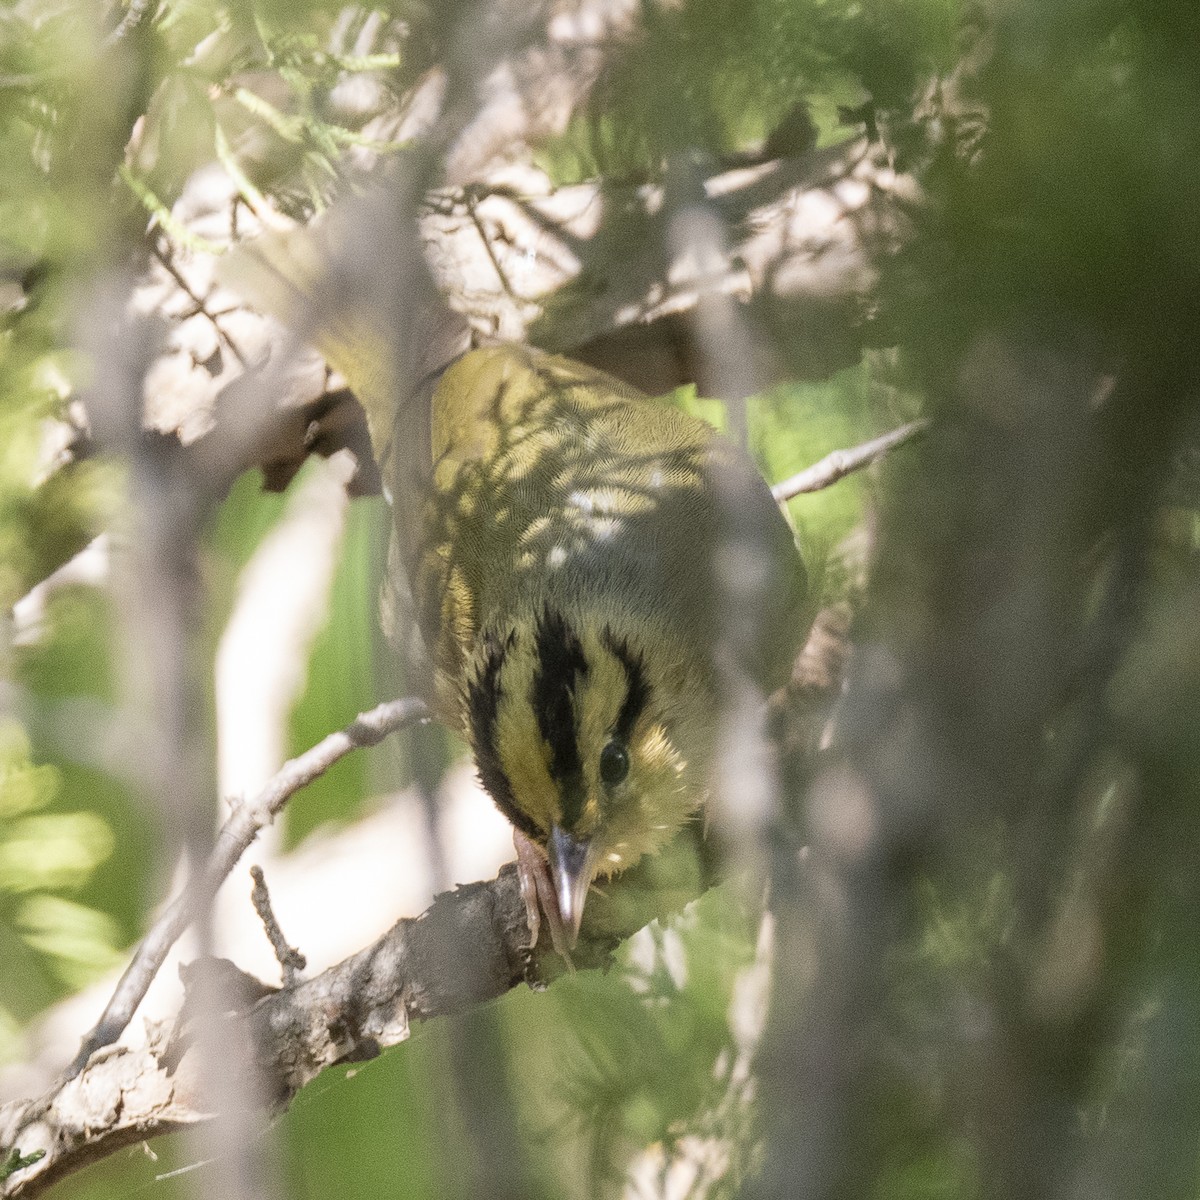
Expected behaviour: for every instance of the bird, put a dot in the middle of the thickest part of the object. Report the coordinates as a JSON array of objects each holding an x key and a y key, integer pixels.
[
  {"x": 559, "y": 551},
  {"x": 563, "y": 571}
]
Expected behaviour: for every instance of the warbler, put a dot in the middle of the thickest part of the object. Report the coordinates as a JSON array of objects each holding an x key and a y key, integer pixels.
[
  {"x": 560, "y": 547},
  {"x": 563, "y": 573}
]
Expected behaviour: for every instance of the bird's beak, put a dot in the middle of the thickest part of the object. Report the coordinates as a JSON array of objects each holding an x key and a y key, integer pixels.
[{"x": 571, "y": 867}]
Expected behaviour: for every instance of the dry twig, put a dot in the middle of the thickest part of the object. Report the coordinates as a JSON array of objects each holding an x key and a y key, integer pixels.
[
  {"x": 236, "y": 835},
  {"x": 840, "y": 463},
  {"x": 290, "y": 960}
]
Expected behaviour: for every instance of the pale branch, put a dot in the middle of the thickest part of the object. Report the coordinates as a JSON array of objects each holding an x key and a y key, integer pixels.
[
  {"x": 291, "y": 961},
  {"x": 470, "y": 945},
  {"x": 840, "y": 463},
  {"x": 243, "y": 825}
]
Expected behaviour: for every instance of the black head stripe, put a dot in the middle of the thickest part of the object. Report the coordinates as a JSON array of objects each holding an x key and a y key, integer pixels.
[
  {"x": 637, "y": 689},
  {"x": 483, "y": 705},
  {"x": 561, "y": 663}
]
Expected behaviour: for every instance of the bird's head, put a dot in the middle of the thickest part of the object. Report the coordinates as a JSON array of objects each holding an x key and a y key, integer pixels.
[{"x": 592, "y": 739}]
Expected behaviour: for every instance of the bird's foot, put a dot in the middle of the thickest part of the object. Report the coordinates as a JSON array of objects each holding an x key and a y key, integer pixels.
[{"x": 537, "y": 890}]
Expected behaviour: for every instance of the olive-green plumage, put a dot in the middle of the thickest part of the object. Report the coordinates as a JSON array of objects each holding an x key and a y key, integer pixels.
[
  {"x": 559, "y": 543},
  {"x": 563, "y": 578}
]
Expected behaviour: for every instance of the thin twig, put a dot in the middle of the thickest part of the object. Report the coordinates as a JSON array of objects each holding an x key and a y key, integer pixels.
[
  {"x": 169, "y": 266},
  {"x": 291, "y": 961},
  {"x": 491, "y": 252},
  {"x": 840, "y": 463},
  {"x": 235, "y": 836}
]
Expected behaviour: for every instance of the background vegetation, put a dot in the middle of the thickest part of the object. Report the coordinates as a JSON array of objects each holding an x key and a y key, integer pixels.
[{"x": 986, "y": 971}]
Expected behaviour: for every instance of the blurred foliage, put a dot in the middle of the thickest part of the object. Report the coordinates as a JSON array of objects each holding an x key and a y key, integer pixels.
[
  {"x": 345, "y": 678},
  {"x": 1038, "y": 969},
  {"x": 50, "y": 943},
  {"x": 714, "y": 77},
  {"x": 258, "y": 87},
  {"x": 654, "y": 1057},
  {"x": 796, "y": 425},
  {"x": 344, "y": 673},
  {"x": 96, "y": 129}
]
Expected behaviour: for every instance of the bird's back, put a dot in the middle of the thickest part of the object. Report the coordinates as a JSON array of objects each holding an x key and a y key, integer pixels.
[{"x": 555, "y": 484}]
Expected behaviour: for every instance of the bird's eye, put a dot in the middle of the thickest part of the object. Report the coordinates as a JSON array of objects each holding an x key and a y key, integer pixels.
[{"x": 614, "y": 763}]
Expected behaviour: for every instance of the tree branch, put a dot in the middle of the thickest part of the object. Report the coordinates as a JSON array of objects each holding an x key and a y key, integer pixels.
[
  {"x": 840, "y": 463},
  {"x": 468, "y": 947},
  {"x": 291, "y": 961},
  {"x": 235, "y": 836}
]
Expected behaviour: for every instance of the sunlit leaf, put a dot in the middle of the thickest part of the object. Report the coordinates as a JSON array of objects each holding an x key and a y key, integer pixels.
[{"x": 80, "y": 942}]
